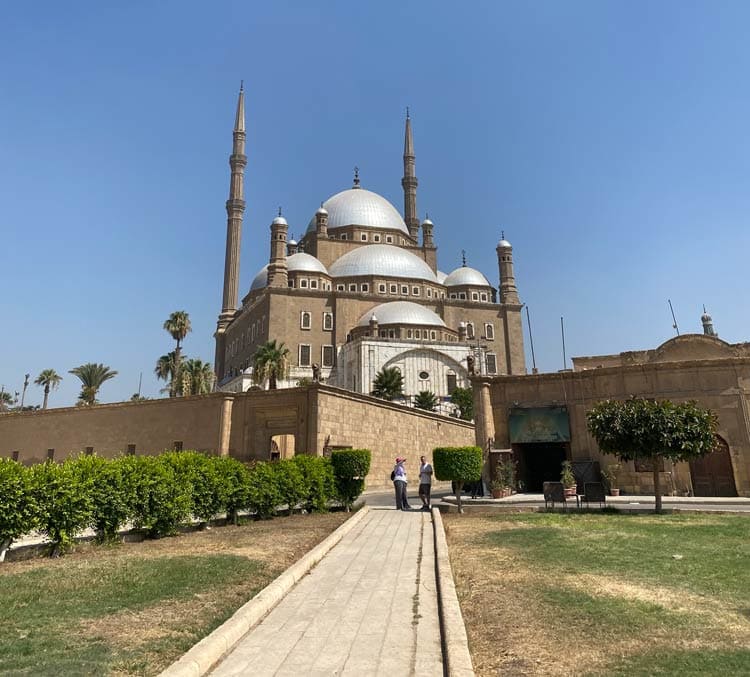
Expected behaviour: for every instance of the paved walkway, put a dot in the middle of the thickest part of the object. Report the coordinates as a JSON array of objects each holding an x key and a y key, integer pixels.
[{"x": 368, "y": 608}]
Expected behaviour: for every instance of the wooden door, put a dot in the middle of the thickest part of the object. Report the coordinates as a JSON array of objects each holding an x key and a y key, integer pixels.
[{"x": 712, "y": 475}]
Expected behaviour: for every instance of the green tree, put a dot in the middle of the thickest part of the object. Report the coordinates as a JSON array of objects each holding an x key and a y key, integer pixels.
[
  {"x": 197, "y": 377},
  {"x": 271, "y": 361},
  {"x": 92, "y": 377},
  {"x": 641, "y": 428},
  {"x": 50, "y": 379},
  {"x": 459, "y": 465},
  {"x": 166, "y": 370},
  {"x": 6, "y": 400},
  {"x": 426, "y": 399},
  {"x": 463, "y": 398},
  {"x": 16, "y": 503},
  {"x": 388, "y": 384},
  {"x": 350, "y": 467},
  {"x": 178, "y": 326}
]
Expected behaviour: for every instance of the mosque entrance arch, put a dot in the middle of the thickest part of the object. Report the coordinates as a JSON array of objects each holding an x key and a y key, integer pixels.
[
  {"x": 432, "y": 370},
  {"x": 281, "y": 446},
  {"x": 712, "y": 474}
]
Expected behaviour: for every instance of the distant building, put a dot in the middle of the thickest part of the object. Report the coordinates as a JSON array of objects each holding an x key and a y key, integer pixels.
[{"x": 360, "y": 292}]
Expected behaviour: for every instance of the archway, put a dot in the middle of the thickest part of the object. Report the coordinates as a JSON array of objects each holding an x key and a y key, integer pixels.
[
  {"x": 712, "y": 475},
  {"x": 281, "y": 446}
]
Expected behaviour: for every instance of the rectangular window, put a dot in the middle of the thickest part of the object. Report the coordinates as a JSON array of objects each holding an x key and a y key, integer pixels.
[
  {"x": 177, "y": 445},
  {"x": 475, "y": 296},
  {"x": 363, "y": 237},
  {"x": 418, "y": 333},
  {"x": 429, "y": 293},
  {"x": 313, "y": 284},
  {"x": 304, "y": 355},
  {"x": 14, "y": 455},
  {"x": 415, "y": 291},
  {"x": 383, "y": 333},
  {"x": 303, "y": 284},
  {"x": 290, "y": 283},
  {"x": 409, "y": 333},
  {"x": 305, "y": 320},
  {"x": 394, "y": 289},
  {"x": 352, "y": 287},
  {"x": 89, "y": 451},
  {"x": 489, "y": 331},
  {"x": 327, "y": 321},
  {"x": 462, "y": 295},
  {"x": 381, "y": 288},
  {"x": 50, "y": 454},
  {"x": 389, "y": 239},
  {"x": 376, "y": 238},
  {"x": 131, "y": 450},
  {"x": 470, "y": 330},
  {"x": 433, "y": 334},
  {"x": 327, "y": 356},
  {"x": 483, "y": 296},
  {"x": 343, "y": 236},
  {"x": 404, "y": 290},
  {"x": 392, "y": 333},
  {"x": 454, "y": 296},
  {"x": 451, "y": 383},
  {"x": 340, "y": 287},
  {"x": 491, "y": 364},
  {"x": 365, "y": 287}
]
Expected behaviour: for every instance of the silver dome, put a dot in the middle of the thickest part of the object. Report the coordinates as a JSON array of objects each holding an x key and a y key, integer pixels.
[
  {"x": 305, "y": 263},
  {"x": 441, "y": 277},
  {"x": 261, "y": 279},
  {"x": 279, "y": 221},
  {"x": 504, "y": 243},
  {"x": 382, "y": 260},
  {"x": 466, "y": 276},
  {"x": 360, "y": 207},
  {"x": 402, "y": 312}
]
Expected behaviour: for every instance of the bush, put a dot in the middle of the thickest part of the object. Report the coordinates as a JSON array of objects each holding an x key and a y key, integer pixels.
[
  {"x": 264, "y": 495},
  {"x": 112, "y": 494},
  {"x": 290, "y": 482},
  {"x": 208, "y": 492},
  {"x": 459, "y": 465},
  {"x": 163, "y": 498},
  {"x": 319, "y": 482},
  {"x": 16, "y": 503},
  {"x": 236, "y": 480},
  {"x": 350, "y": 467},
  {"x": 63, "y": 498}
]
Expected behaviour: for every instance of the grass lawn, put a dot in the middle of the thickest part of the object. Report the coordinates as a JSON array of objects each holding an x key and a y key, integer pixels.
[
  {"x": 604, "y": 594},
  {"x": 132, "y": 609}
]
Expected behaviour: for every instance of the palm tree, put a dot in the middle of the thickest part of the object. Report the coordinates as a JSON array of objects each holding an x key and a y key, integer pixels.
[
  {"x": 6, "y": 400},
  {"x": 271, "y": 361},
  {"x": 50, "y": 379},
  {"x": 178, "y": 325},
  {"x": 92, "y": 377},
  {"x": 388, "y": 384},
  {"x": 426, "y": 399},
  {"x": 165, "y": 370},
  {"x": 197, "y": 377}
]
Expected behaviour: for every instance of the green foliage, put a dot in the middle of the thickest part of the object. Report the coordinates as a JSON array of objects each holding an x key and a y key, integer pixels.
[
  {"x": 459, "y": 465},
  {"x": 64, "y": 505},
  {"x": 271, "y": 361},
  {"x": 319, "y": 481},
  {"x": 197, "y": 377},
  {"x": 16, "y": 502},
  {"x": 350, "y": 467},
  {"x": 264, "y": 495},
  {"x": 567, "y": 477},
  {"x": 463, "y": 398},
  {"x": 50, "y": 380},
  {"x": 166, "y": 370},
  {"x": 7, "y": 400},
  {"x": 235, "y": 477},
  {"x": 112, "y": 494},
  {"x": 610, "y": 475},
  {"x": 163, "y": 497},
  {"x": 505, "y": 475},
  {"x": 92, "y": 377},
  {"x": 178, "y": 326},
  {"x": 426, "y": 399},
  {"x": 388, "y": 384},
  {"x": 208, "y": 494},
  {"x": 290, "y": 482}
]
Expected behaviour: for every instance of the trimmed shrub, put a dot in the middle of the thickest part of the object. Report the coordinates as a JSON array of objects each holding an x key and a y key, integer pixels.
[
  {"x": 459, "y": 465},
  {"x": 264, "y": 495},
  {"x": 63, "y": 501},
  {"x": 16, "y": 503},
  {"x": 290, "y": 482},
  {"x": 112, "y": 494},
  {"x": 319, "y": 482},
  {"x": 208, "y": 493},
  {"x": 350, "y": 467},
  {"x": 163, "y": 498},
  {"x": 235, "y": 477}
]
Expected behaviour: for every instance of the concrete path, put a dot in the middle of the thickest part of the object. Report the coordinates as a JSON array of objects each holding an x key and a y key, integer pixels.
[{"x": 368, "y": 608}]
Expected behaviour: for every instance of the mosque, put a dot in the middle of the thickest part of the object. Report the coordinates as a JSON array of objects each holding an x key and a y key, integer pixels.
[{"x": 361, "y": 291}]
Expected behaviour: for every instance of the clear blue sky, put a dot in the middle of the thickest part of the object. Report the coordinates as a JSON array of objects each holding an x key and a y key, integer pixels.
[{"x": 608, "y": 139}]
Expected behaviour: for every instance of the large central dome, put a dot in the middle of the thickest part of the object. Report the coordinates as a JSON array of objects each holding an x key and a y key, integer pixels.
[
  {"x": 381, "y": 260},
  {"x": 360, "y": 207}
]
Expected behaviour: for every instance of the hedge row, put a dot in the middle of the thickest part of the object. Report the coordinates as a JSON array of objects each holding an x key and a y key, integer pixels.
[{"x": 160, "y": 493}]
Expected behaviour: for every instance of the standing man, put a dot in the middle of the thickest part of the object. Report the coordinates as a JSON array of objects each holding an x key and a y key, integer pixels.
[
  {"x": 425, "y": 482},
  {"x": 399, "y": 484}
]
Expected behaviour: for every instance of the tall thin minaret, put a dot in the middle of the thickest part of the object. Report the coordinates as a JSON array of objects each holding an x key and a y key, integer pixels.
[
  {"x": 409, "y": 182},
  {"x": 235, "y": 207}
]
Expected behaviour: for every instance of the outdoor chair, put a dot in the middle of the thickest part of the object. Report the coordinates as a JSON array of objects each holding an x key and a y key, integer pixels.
[
  {"x": 554, "y": 492},
  {"x": 593, "y": 492}
]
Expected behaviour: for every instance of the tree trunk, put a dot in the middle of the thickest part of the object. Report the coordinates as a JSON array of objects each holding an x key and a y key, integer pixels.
[
  {"x": 272, "y": 380},
  {"x": 459, "y": 489},
  {"x": 46, "y": 395},
  {"x": 657, "y": 485},
  {"x": 177, "y": 375},
  {"x": 4, "y": 545}
]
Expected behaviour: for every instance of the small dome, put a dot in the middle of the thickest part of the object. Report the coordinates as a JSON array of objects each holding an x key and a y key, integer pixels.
[
  {"x": 402, "y": 312},
  {"x": 322, "y": 211},
  {"x": 305, "y": 263},
  {"x": 373, "y": 319},
  {"x": 427, "y": 222},
  {"x": 360, "y": 207},
  {"x": 466, "y": 276},
  {"x": 261, "y": 279},
  {"x": 504, "y": 243},
  {"x": 279, "y": 221},
  {"x": 382, "y": 260},
  {"x": 441, "y": 277}
]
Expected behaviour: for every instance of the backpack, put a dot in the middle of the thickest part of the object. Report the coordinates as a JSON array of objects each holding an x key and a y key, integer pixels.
[{"x": 393, "y": 475}]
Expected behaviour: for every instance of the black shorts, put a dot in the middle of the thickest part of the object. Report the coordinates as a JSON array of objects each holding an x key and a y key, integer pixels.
[{"x": 424, "y": 490}]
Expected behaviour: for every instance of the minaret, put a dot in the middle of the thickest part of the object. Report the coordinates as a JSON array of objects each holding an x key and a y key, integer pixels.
[
  {"x": 409, "y": 182},
  {"x": 235, "y": 208},
  {"x": 278, "y": 275},
  {"x": 427, "y": 227},
  {"x": 708, "y": 324},
  {"x": 508, "y": 290}
]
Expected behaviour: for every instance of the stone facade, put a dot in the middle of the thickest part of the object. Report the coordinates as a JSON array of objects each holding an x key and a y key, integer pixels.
[
  {"x": 689, "y": 367},
  {"x": 311, "y": 420}
]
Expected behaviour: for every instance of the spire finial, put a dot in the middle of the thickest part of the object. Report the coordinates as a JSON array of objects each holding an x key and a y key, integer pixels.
[
  {"x": 427, "y": 216},
  {"x": 407, "y": 113},
  {"x": 242, "y": 85},
  {"x": 279, "y": 210},
  {"x": 463, "y": 257},
  {"x": 356, "y": 177},
  {"x": 704, "y": 308},
  {"x": 502, "y": 234}
]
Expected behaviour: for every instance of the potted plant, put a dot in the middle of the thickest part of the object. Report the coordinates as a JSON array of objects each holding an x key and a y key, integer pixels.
[
  {"x": 568, "y": 479},
  {"x": 610, "y": 475},
  {"x": 505, "y": 479}
]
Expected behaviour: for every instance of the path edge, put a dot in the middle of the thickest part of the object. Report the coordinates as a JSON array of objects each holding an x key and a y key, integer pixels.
[
  {"x": 204, "y": 655},
  {"x": 456, "y": 656}
]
